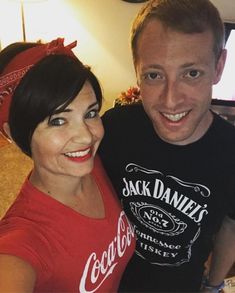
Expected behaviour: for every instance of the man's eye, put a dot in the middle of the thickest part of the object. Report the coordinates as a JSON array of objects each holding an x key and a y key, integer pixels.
[
  {"x": 193, "y": 74},
  {"x": 153, "y": 76},
  {"x": 92, "y": 114},
  {"x": 56, "y": 121}
]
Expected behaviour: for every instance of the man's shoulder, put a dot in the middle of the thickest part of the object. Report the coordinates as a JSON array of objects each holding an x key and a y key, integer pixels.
[
  {"x": 225, "y": 130},
  {"x": 223, "y": 139},
  {"x": 124, "y": 123},
  {"x": 124, "y": 112}
]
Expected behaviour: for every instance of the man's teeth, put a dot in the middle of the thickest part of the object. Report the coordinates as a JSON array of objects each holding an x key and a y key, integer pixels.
[
  {"x": 78, "y": 154},
  {"x": 175, "y": 117}
]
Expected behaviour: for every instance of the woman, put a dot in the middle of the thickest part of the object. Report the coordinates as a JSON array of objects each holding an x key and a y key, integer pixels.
[{"x": 66, "y": 231}]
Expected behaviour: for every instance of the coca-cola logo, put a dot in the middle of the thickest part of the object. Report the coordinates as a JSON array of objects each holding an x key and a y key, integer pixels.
[{"x": 97, "y": 270}]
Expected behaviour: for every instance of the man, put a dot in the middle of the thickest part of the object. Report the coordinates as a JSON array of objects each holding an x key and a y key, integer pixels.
[{"x": 171, "y": 160}]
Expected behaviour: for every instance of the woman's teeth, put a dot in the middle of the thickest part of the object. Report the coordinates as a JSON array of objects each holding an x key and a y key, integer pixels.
[{"x": 78, "y": 154}]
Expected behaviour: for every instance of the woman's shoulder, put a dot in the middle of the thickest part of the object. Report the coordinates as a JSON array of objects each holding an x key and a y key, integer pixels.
[
  {"x": 16, "y": 275},
  {"x": 24, "y": 241}
]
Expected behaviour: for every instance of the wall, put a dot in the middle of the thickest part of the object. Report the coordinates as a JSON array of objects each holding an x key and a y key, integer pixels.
[
  {"x": 100, "y": 26},
  {"x": 226, "y": 8}
]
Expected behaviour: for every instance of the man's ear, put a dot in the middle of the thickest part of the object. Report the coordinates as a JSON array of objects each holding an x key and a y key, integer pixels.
[
  {"x": 7, "y": 131},
  {"x": 220, "y": 66}
]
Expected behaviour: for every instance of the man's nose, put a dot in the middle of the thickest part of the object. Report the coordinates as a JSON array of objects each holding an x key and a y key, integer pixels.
[{"x": 171, "y": 96}]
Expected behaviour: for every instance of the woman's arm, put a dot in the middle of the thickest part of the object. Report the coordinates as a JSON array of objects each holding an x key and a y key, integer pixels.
[{"x": 16, "y": 275}]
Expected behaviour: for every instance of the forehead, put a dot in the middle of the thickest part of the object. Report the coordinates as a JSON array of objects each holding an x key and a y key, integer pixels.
[
  {"x": 158, "y": 41},
  {"x": 85, "y": 96},
  {"x": 87, "y": 90}
]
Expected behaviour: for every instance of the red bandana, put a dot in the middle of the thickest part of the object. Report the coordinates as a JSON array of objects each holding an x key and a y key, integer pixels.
[{"x": 20, "y": 64}]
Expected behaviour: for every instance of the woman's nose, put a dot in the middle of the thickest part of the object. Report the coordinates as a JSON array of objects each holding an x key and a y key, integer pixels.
[{"x": 82, "y": 134}]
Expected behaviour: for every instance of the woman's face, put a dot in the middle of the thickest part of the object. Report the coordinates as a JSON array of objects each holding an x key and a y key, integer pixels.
[{"x": 66, "y": 143}]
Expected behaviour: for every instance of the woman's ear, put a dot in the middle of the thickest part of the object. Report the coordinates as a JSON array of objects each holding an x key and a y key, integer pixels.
[{"x": 7, "y": 131}]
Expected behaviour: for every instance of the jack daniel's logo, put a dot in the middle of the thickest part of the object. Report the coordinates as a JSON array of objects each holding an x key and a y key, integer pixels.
[
  {"x": 171, "y": 197},
  {"x": 157, "y": 219},
  {"x": 165, "y": 235}
]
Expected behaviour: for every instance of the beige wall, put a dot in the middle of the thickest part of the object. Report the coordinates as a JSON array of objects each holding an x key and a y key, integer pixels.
[{"x": 100, "y": 26}]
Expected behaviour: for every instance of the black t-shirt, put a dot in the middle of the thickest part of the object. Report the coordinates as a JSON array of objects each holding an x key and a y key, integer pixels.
[{"x": 175, "y": 196}]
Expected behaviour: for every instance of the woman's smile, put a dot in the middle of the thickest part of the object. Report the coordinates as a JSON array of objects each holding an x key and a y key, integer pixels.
[{"x": 79, "y": 156}]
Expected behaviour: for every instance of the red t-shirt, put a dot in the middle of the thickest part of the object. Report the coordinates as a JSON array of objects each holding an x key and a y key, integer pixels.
[{"x": 68, "y": 251}]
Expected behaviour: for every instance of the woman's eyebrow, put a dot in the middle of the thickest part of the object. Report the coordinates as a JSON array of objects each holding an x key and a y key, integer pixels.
[
  {"x": 93, "y": 104},
  {"x": 67, "y": 110}
]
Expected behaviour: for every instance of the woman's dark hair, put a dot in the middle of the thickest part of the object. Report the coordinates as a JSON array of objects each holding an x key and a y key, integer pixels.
[{"x": 52, "y": 83}]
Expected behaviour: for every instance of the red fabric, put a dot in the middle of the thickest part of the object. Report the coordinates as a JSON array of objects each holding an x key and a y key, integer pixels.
[
  {"x": 68, "y": 251},
  {"x": 20, "y": 64}
]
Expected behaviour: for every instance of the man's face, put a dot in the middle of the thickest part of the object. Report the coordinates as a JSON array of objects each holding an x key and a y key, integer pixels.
[{"x": 176, "y": 72}]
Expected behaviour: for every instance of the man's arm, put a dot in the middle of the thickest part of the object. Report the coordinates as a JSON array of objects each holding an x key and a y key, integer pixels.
[{"x": 223, "y": 254}]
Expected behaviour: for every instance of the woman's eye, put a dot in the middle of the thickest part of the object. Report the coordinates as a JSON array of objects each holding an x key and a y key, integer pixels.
[
  {"x": 192, "y": 74},
  {"x": 56, "y": 121},
  {"x": 92, "y": 114}
]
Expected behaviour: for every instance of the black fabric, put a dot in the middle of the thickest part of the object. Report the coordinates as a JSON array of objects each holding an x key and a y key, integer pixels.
[{"x": 175, "y": 196}]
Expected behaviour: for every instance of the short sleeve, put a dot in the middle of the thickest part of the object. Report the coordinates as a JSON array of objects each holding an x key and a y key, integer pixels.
[{"x": 25, "y": 244}]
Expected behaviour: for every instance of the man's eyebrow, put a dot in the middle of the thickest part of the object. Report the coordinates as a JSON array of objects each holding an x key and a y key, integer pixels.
[
  {"x": 189, "y": 64},
  {"x": 157, "y": 66},
  {"x": 152, "y": 66}
]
